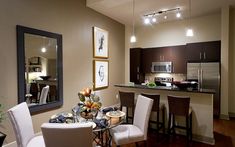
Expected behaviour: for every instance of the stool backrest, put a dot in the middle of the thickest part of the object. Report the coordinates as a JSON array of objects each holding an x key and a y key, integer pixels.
[
  {"x": 127, "y": 99},
  {"x": 156, "y": 100},
  {"x": 178, "y": 105}
]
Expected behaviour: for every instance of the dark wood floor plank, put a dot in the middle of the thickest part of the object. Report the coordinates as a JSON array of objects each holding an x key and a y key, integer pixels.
[{"x": 224, "y": 133}]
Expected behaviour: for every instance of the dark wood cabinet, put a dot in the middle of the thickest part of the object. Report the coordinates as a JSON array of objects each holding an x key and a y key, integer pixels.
[
  {"x": 136, "y": 72},
  {"x": 147, "y": 59},
  {"x": 203, "y": 51},
  {"x": 179, "y": 59},
  {"x": 161, "y": 54}
]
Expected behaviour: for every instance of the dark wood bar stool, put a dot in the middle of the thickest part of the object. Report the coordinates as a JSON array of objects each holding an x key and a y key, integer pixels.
[
  {"x": 157, "y": 107},
  {"x": 127, "y": 100},
  {"x": 179, "y": 106}
]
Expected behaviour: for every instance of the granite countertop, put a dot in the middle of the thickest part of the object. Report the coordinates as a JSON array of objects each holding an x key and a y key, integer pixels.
[{"x": 210, "y": 91}]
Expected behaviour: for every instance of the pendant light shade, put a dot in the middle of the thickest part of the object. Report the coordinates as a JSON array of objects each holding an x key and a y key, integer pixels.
[
  {"x": 133, "y": 38},
  {"x": 189, "y": 32}
]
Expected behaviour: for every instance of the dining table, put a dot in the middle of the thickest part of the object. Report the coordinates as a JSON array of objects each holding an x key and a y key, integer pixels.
[{"x": 101, "y": 123}]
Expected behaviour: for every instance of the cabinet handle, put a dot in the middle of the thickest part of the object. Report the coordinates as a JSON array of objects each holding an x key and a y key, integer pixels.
[
  {"x": 163, "y": 58},
  {"x": 204, "y": 54},
  {"x": 138, "y": 76},
  {"x": 138, "y": 69},
  {"x": 200, "y": 55},
  {"x": 160, "y": 58}
]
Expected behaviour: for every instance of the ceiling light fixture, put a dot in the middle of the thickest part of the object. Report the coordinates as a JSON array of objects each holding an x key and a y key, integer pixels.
[
  {"x": 151, "y": 16},
  {"x": 154, "y": 19},
  {"x": 133, "y": 38},
  {"x": 146, "y": 21},
  {"x": 189, "y": 32},
  {"x": 178, "y": 14},
  {"x": 43, "y": 49}
]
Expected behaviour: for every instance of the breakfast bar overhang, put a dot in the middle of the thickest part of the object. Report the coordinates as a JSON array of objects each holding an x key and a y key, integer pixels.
[{"x": 201, "y": 102}]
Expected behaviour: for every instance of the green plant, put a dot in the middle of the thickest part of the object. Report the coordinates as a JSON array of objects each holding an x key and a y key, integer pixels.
[{"x": 1, "y": 114}]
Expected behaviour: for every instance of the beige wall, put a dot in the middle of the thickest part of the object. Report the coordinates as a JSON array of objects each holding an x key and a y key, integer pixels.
[
  {"x": 232, "y": 62},
  {"x": 205, "y": 28},
  {"x": 74, "y": 21}
]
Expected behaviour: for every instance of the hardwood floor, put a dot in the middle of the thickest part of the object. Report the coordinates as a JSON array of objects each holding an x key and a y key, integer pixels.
[{"x": 224, "y": 132}]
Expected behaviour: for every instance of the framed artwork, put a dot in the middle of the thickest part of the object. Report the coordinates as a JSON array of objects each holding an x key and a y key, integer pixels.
[
  {"x": 100, "y": 74},
  {"x": 100, "y": 41}
]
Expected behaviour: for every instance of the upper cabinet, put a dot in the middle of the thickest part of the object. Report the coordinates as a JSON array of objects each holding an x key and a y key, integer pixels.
[
  {"x": 141, "y": 59},
  {"x": 179, "y": 59},
  {"x": 136, "y": 72},
  {"x": 203, "y": 51}
]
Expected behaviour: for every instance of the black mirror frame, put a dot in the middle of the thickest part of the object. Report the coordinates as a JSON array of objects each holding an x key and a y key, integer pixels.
[{"x": 21, "y": 30}]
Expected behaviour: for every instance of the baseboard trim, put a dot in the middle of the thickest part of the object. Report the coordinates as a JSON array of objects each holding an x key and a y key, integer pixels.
[
  {"x": 231, "y": 114},
  {"x": 223, "y": 116}
]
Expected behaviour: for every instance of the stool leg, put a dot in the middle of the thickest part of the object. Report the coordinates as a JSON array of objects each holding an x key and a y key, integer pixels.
[
  {"x": 158, "y": 121},
  {"x": 187, "y": 128},
  {"x": 173, "y": 124},
  {"x": 127, "y": 116},
  {"x": 191, "y": 127},
  {"x": 169, "y": 125},
  {"x": 163, "y": 120}
]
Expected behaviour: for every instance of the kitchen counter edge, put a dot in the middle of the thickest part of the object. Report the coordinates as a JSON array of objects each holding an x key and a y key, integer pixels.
[{"x": 209, "y": 91}]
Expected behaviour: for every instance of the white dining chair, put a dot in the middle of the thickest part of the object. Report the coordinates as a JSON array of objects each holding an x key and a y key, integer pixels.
[
  {"x": 67, "y": 135},
  {"x": 44, "y": 95},
  {"x": 136, "y": 132},
  {"x": 23, "y": 127}
]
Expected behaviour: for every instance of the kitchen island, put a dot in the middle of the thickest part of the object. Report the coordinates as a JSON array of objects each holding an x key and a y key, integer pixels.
[{"x": 201, "y": 102}]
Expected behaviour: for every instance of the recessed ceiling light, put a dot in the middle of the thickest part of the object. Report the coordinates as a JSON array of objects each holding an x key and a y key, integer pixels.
[{"x": 165, "y": 16}]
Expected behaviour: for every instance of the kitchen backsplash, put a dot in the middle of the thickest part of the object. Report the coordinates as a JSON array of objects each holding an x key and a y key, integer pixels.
[{"x": 176, "y": 77}]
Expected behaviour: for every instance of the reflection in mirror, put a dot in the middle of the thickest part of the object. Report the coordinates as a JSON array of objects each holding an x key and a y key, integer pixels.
[{"x": 41, "y": 61}]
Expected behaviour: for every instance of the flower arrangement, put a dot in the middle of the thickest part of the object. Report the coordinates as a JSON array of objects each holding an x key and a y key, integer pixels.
[{"x": 88, "y": 103}]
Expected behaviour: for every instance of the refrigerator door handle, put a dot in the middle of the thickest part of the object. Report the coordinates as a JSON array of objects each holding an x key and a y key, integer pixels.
[
  {"x": 198, "y": 79},
  {"x": 201, "y": 78}
]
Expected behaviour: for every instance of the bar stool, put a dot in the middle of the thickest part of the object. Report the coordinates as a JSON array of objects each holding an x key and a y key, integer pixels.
[
  {"x": 157, "y": 107},
  {"x": 180, "y": 106},
  {"x": 127, "y": 100}
]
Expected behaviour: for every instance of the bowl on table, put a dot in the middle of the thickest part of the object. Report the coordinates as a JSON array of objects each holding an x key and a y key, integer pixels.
[{"x": 45, "y": 77}]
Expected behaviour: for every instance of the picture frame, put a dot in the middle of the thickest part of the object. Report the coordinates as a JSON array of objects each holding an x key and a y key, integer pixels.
[
  {"x": 34, "y": 60},
  {"x": 100, "y": 43},
  {"x": 100, "y": 74}
]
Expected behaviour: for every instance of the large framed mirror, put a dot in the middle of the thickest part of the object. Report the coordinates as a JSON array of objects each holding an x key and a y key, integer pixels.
[{"x": 40, "y": 70}]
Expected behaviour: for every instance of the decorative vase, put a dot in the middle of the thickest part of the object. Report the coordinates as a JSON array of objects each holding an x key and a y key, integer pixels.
[{"x": 86, "y": 115}]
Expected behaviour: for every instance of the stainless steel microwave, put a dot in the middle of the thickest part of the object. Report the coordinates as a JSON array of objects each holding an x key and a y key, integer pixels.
[{"x": 161, "y": 67}]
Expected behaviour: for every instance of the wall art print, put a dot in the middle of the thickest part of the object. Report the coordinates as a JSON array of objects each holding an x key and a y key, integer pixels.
[
  {"x": 100, "y": 41},
  {"x": 100, "y": 74}
]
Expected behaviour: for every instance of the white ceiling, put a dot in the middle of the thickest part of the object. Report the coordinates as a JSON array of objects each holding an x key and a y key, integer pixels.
[{"x": 121, "y": 10}]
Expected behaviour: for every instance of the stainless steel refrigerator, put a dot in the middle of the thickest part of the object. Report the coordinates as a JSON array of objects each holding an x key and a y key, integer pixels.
[{"x": 207, "y": 74}]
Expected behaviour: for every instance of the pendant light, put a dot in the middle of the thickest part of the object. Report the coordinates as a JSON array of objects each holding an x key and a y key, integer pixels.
[
  {"x": 189, "y": 32},
  {"x": 133, "y": 38}
]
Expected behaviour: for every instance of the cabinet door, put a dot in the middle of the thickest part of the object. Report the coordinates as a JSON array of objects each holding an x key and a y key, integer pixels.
[
  {"x": 147, "y": 59},
  {"x": 179, "y": 59},
  {"x": 211, "y": 51},
  {"x": 136, "y": 74},
  {"x": 194, "y": 52},
  {"x": 162, "y": 54}
]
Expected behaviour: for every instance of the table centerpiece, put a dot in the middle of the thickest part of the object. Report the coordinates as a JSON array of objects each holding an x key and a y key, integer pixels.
[{"x": 89, "y": 104}]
